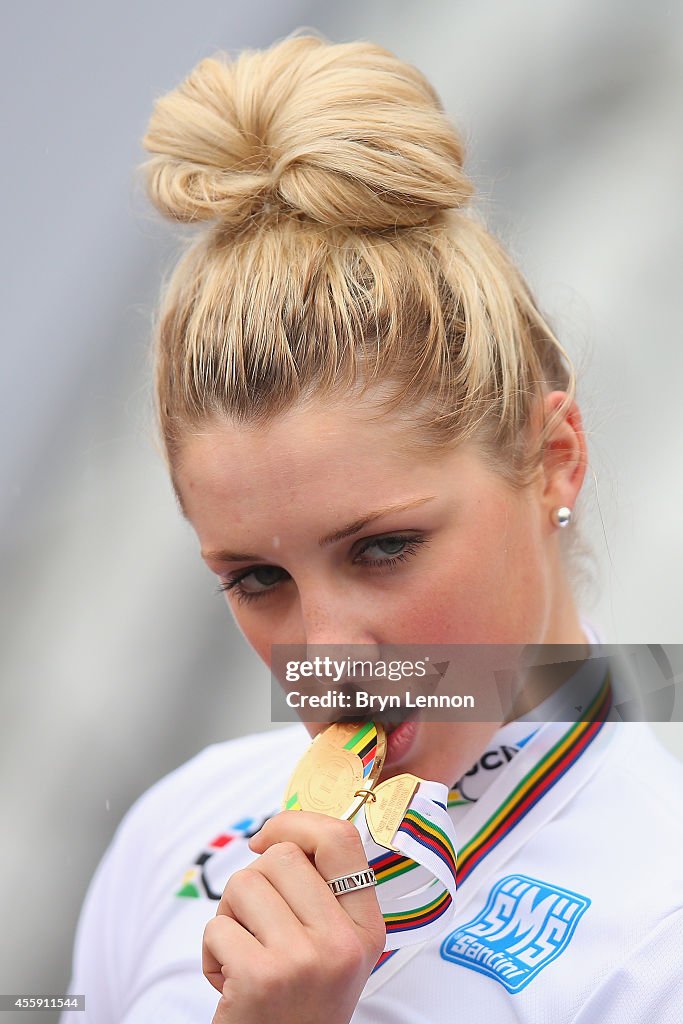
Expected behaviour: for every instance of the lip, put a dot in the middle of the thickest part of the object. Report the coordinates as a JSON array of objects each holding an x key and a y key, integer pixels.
[{"x": 400, "y": 741}]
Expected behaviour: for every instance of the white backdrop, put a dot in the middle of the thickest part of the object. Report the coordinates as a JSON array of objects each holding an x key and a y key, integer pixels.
[{"x": 118, "y": 662}]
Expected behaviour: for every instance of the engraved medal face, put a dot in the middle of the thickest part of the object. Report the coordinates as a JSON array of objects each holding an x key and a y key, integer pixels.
[
  {"x": 386, "y": 812},
  {"x": 345, "y": 758}
]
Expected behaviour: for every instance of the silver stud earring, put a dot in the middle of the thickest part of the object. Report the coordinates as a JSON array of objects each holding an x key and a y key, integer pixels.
[{"x": 562, "y": 516}]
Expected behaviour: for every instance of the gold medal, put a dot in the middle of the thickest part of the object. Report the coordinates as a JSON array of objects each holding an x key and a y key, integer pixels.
[
  {"x": 387, "y": 807},
  {"x": 331, "y": 776}
]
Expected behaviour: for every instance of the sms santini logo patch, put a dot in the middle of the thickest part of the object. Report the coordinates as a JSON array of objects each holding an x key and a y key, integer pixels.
[{"x": 524, "y": 926}]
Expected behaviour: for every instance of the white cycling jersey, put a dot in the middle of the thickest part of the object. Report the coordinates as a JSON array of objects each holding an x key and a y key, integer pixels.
[{"x": 569, "y": 906}]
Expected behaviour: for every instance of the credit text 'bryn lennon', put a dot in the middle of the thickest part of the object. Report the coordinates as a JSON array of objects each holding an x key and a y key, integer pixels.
[{"x": 361, "y": 700}]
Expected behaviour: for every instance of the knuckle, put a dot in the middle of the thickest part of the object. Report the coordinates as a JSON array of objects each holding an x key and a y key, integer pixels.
[
  {"x": 350, "y": 953},
  {"x": 345, "y": 831},
  {"x": 343, "y": 837},
  {"x": 212, "y": 930},
  {"x": 287, "y": 852},
  {"x": 227, "y": 1001},
  {"x": 238, "y": 880}
]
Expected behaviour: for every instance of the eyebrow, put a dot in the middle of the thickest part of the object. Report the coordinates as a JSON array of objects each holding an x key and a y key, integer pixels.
[{"x": 331, "y": 538}]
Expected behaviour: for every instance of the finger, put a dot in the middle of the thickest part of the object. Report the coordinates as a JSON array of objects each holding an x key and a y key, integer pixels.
[
  {"x": 227, "y": 950},
  {"x": 251, "y": 899},
  {"x": 336, "y": 848},
  {"x": 290, "y": 871}
]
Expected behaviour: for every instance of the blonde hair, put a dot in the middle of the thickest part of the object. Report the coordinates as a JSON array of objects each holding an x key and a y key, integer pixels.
[{"x": 339, "y": 254}]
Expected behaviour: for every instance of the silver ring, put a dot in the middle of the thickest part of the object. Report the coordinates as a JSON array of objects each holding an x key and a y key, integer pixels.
[{"x": 356, "y": 880}]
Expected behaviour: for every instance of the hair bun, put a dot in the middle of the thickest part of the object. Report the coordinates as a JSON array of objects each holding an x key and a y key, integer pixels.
[{"x": 347, "y": 135}]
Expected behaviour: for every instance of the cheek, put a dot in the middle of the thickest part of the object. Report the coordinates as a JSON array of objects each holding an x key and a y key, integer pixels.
[
  {"x": 260, "y": 638},
  {"x": 254, "y": 630},
  {"x": 492, "y": 589},
  {"x": 521, "y": 587}
]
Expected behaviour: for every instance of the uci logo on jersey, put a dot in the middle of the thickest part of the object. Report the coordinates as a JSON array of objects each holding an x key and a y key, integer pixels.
[{"x": 524, "y": 926}]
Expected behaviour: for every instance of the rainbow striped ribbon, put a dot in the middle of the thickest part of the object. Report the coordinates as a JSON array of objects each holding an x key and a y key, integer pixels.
[
  {"x": 425, "y": 840},
  {"x": 545, "y": 774}
]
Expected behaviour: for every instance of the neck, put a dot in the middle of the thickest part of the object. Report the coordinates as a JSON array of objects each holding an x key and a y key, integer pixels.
[{"x": 564, "y": 649}]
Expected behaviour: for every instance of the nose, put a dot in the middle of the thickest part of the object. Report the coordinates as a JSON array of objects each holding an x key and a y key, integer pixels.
[{"x": 332, "y": 617}]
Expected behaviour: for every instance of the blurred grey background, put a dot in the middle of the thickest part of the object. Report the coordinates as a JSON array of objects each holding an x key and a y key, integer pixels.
[{"x": 118, "y": 660}]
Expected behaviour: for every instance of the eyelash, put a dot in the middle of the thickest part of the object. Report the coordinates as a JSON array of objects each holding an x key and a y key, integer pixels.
[{"x": 232, "y": 583}]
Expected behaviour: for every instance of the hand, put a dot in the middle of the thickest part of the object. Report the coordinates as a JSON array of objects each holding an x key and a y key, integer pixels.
[{"x": 281, "y": 947}]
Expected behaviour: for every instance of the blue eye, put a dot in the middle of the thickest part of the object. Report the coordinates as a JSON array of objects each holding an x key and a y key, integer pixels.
[
  {"x": 235, "y": 583},
  {"x": 400, "y": 548}
]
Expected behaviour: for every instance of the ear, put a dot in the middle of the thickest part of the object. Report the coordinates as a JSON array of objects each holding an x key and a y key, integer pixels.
[{"x": 565, "y": 456}]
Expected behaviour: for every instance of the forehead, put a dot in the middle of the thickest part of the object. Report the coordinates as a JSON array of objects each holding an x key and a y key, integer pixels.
[
  {"x": 306, "y": 443},
  {"x": 307, "y": 464}
]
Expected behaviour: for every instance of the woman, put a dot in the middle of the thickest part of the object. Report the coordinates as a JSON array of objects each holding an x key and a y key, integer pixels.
[{"x": 374, "y": 434}]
